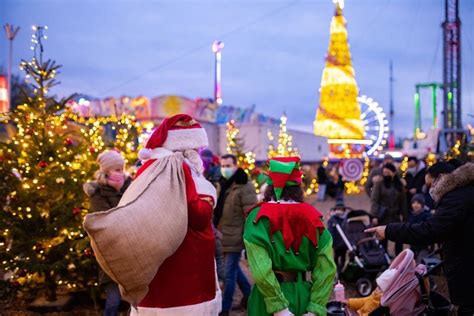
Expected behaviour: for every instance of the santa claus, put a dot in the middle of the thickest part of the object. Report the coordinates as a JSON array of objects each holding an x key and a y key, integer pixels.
[{"x": 186, "y": 282}]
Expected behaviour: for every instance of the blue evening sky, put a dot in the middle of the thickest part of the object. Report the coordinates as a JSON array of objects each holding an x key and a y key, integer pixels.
[{"x": 273, "y": 56}]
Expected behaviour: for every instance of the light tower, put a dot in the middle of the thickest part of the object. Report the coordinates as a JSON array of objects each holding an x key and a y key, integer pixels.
[
  {"x": 217, "y": 47},
  {"x": 391, "y": 139},
  {"x": 452, "y": 114},
  {"x": 339, "y": 115}
]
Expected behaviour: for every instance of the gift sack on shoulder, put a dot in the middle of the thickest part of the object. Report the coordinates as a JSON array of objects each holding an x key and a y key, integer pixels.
[{"x": 132, "y": 240}]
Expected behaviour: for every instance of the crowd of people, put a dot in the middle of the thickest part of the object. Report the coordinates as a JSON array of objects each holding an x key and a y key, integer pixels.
[{"x": 292, "y": 257}]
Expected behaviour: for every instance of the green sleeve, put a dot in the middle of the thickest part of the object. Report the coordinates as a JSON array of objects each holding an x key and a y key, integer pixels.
[
  {"x": 322, "y": 276},
  {"x": 264, "y": 277}
]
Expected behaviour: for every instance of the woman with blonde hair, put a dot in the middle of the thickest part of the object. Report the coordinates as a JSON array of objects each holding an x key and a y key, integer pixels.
[{"x": 105, "y": 193}]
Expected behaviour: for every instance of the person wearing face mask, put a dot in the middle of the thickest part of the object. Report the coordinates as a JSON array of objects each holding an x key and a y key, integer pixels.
[
  {"x": 376, "y": 172},
  {"x": 236, "y": 195},
  {"x": 415, "y": 177},
  {"x": 451, "y": 225},
  {"x": 104, "y": 193},
  {"x": 388, "y": 200}
]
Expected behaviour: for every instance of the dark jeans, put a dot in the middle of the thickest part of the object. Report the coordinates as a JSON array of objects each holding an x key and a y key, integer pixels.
[
  {"x": 112, "y": 302},
  {"x": 219, "y": 258},
  {"x": 466, "y": 310},
  {"x": 233, "y": 275}
]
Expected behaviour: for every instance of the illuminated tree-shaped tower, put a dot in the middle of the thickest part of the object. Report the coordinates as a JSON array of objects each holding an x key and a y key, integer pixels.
[{"x": 338, "y": 115}]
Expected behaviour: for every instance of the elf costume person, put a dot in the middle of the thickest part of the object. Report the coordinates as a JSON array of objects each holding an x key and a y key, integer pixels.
[
  {"x": 286, "y": 241},
  {"x": 186, "y": 282}
]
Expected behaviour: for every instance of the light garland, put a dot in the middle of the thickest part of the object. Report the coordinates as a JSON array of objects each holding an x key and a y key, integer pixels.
[
  {"x": 285, "y": 142},
  {"x": 245, "y": 160},
  {"x": 430, "y": 159},
  {"x": 404, "y": 166}
]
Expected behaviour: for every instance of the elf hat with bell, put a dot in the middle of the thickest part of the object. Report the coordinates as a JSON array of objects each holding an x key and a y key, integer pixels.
[
  {"x": 178, "y": 132},
  {"x": 283, "y": 172}
]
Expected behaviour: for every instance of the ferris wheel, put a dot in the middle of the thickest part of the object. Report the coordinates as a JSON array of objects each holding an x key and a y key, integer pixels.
[{"x": 375, "y": 124}]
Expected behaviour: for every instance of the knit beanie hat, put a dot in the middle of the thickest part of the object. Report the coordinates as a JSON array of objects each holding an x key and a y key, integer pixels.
[
  {"x": 420, "y": 198},
  {"x": 110, "y": 160}
]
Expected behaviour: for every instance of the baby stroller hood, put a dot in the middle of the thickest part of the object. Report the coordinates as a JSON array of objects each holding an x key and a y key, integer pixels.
[{"x": 403, "y": 294}]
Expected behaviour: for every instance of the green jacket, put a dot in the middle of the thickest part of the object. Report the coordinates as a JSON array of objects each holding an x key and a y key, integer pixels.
[
  {"x": 239, "y": 198},
  {"x": 267, "y": 254}
]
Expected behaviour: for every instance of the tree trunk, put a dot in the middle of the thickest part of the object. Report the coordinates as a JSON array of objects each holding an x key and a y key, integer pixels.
[{"x": 50, "y": 288}]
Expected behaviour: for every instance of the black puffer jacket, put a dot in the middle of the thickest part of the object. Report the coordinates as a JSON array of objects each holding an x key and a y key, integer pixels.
[{"x": 452, "y": 225}]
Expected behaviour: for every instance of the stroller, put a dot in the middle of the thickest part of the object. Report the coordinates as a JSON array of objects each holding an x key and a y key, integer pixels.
[
  {"x": 407, "y": 291},
  {"x": 367, "y": 257}
]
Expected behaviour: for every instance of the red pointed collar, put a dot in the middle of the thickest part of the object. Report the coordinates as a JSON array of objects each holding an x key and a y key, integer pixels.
[{"x": 294, "y": 221}]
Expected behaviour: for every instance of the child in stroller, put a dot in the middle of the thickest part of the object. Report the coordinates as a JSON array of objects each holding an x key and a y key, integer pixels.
[
  {"x": 367, "y": 258},
  {"x": 403, "y": 289}
]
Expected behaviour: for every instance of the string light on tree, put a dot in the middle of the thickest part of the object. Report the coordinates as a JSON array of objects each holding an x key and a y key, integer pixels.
[
  {"x": 404, "y": 166},
  {"x": 430, "y": 159},
  {"x": 43, "y": 166},
  {"x": 284, "y": 147},
  {"x": 235, "y": 146}
]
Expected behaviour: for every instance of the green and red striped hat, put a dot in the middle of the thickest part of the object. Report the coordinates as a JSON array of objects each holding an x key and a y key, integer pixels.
[{"x": 284, "y": 171}]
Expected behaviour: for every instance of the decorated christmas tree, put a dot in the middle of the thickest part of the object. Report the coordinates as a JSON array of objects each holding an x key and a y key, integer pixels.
[
  {"x": 285, "y": 142},
  {"x": 42, "y": 168},
  {"x": 338, "y": 115},
  {"x": 235, "y": 146}
]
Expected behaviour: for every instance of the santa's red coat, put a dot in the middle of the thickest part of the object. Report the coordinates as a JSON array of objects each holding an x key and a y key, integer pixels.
[{"x": 187, "y": 277}]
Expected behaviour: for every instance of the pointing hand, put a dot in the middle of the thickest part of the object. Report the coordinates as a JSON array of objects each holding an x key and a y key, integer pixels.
[{"x": 379, "y": 231}]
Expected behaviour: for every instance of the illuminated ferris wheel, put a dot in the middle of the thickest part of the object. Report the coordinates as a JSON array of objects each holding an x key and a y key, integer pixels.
[{"x": 375, "y": 124}]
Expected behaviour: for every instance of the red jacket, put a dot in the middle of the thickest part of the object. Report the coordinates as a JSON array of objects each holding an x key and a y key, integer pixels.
[{"x": 188, "y": 276}]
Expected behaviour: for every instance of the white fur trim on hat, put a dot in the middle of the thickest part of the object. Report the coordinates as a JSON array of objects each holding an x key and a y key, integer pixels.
[
  {"x": 181, "y": 139},
  {"x": 160, "y": 152}
]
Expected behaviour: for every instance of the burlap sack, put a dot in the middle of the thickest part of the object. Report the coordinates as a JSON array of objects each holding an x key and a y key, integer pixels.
[{"x": 132, "y": 240}]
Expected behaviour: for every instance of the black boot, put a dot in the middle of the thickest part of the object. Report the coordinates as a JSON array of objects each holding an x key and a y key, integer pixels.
[{"x": 224, "y": 313}]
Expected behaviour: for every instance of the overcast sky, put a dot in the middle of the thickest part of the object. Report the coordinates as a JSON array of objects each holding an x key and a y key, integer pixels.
[{"x": 273, "y": 56}]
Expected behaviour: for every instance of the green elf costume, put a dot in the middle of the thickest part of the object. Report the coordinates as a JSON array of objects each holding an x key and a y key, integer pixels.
[{"x": 286, "y": 242}]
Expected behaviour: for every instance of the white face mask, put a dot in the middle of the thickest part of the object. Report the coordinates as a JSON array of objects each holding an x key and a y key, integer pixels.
[
  {"x": 412, "y": 170},
  {"x": 228, "y": 172}
]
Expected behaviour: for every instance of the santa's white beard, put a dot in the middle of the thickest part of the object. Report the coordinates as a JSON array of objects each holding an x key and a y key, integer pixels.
[{"x": 195, "y": 159}]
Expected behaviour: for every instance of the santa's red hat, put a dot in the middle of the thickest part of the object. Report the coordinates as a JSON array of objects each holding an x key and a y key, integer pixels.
[{"x": 179, "y": 132}]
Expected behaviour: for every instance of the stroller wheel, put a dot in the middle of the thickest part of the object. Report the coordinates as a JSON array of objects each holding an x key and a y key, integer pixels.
[{"x": 364, "y": 286}]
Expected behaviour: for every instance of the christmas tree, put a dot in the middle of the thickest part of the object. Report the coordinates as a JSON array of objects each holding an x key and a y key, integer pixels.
[
  {"x": 285, "y": 142},
  {"x": 43, "y": 167},
  {"x": 338, "y": 115},
  {"x": 235, "y": 146}
]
